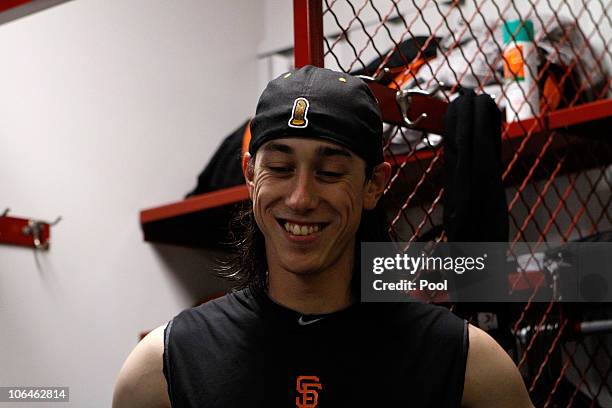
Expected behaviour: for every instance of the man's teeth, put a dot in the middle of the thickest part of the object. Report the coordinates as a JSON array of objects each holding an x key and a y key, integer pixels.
[{"x": 296, "y": 229}]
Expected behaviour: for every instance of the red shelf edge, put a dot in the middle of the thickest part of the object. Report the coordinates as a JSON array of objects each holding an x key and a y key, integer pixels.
[
  {"x": 197, "y": 203},
  {"x": 562, "y": 117},
  {"x": 557, "y": 119}
]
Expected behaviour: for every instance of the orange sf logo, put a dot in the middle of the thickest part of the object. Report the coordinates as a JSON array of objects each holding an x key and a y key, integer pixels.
[
  {"x": 307, "y": 385},
  {"x": 298, "y": 114}
]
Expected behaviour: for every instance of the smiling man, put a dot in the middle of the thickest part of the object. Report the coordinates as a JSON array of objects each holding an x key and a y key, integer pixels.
[
  {"x": 295, "y": 334},
  {"x": 310, "y": 233}
]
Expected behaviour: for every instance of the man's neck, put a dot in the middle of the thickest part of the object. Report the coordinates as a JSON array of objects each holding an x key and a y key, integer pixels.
[{"x": 319, "y": 293}]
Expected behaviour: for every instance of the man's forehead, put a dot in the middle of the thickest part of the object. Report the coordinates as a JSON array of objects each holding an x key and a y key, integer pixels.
[{"x": 298, "y": 145}]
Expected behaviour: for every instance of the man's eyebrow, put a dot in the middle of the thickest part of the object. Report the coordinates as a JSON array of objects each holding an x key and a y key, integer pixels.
[
  {"x": 327, "y": 151},
  {"x": 278, "y": 147}
]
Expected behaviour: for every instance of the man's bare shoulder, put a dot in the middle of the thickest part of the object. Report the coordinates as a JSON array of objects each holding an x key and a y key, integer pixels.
[
  {"x": 141, "y": 381},
  {"x": 491, "y": 378}
]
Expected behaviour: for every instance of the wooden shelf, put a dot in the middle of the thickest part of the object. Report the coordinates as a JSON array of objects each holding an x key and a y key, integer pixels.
[{"x": 202, "y": 221}]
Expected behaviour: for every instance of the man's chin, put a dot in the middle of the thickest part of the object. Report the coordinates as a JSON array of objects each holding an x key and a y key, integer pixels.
[{"x": 303, "y": 269}]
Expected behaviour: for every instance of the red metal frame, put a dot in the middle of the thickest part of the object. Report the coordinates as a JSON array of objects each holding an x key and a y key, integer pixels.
[
  {"x": 563, "y": 117},
  {"x": 308, "y": 32},
  {"x": 194, "y": 204}
]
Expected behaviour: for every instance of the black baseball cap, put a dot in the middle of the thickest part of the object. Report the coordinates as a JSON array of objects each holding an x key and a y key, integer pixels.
[{"x": 323, "y": 104}]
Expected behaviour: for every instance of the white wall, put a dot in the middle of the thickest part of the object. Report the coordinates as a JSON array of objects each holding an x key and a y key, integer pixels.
[{"x": 107, "y": 108}]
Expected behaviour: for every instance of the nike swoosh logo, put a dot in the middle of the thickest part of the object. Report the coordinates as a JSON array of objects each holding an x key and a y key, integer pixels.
[{"x": 303, "y": 322}]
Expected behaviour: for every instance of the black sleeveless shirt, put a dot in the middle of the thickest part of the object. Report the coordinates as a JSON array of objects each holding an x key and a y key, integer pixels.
[{"x": 244, "y": 350}]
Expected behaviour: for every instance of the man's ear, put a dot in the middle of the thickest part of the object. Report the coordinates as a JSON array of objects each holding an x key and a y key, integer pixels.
[
  {"x": 375, "y": 187},
  {"x": 249, "y": 173}
]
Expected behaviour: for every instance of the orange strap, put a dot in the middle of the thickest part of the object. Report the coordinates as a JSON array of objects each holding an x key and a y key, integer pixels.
[
  {"x": 552, "y": 94},
  {"x": 246, "y": 138},
  {"x": 407, "y": 74}
]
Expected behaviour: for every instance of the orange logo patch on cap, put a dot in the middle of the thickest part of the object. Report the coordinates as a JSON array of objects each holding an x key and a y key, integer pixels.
[{"x": 299, "y": 112}]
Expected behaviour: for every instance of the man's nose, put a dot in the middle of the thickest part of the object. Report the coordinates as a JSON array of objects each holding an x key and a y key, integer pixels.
[{"x": 303, "y": 195}]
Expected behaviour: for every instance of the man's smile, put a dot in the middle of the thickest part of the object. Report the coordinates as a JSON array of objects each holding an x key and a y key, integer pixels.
[{"x": 301, "y": 228}]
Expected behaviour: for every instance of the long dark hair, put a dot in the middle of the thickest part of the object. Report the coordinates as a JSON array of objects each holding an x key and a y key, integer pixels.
[{"x": 248, "y": 265}]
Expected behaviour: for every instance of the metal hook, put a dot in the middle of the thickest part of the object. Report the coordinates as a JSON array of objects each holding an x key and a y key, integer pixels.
[
  {"x": 439, "y": 86},
  {"x": 376, "y": 78},
  {"x": 404, "y": 100},
  {"x": 35, "y": 228},
  {"x": 552, "y": 265}
]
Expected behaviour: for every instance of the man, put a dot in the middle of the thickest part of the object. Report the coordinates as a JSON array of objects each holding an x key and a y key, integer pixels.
[{"x": 296, "y": 334}]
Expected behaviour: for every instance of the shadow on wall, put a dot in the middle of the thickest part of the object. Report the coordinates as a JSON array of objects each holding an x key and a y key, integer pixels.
[
  {"x": 194, "y": 270},
  {"x": 10, "y": 12}
]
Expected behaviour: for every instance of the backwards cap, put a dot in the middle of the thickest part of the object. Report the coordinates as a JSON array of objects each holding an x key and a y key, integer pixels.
[{"x": 323, "y": 104}]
